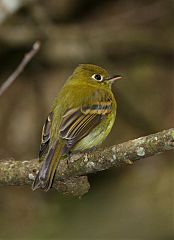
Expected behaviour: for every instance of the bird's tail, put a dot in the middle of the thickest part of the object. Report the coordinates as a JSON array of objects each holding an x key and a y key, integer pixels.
[{"x": 44, "y": 178}]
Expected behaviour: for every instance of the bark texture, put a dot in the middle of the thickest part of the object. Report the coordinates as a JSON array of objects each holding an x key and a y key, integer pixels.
[{"x": 71, "y": 176}]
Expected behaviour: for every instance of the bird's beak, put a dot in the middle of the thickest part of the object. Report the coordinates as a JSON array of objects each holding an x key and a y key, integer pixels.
[{"x": 114, "y": 78}]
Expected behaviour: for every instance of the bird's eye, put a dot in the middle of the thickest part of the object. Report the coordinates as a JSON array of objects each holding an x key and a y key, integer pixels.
[{"x": 97, "y": 77}]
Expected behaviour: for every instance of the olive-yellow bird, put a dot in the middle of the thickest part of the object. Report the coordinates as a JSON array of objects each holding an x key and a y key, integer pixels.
[{"x": 81, "y": 118}]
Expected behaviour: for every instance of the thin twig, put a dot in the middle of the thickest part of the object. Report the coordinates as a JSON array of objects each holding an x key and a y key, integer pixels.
[{"x": 27, "y": 58}]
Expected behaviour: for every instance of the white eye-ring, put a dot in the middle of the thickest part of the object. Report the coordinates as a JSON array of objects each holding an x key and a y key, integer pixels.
[{"x": 97, "y": 77}]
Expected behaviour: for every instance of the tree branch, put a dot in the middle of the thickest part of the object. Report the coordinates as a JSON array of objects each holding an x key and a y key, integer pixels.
[
  {"x": 69, "y": 178},
  {"x": 27, "y": 58}
]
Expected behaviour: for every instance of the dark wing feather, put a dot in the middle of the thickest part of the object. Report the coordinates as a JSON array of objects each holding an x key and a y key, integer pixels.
[
  {"x": 45, "y": 135},
  {"x": 79, "y": 122}
]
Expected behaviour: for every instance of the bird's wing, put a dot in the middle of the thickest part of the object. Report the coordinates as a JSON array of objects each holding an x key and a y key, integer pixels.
[
  {"x": 79, "y": 122},
  {"x": 45, "y": 138}
]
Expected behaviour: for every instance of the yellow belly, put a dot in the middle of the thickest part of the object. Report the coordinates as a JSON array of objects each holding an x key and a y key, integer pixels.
[{"x": 97, "y": 135}]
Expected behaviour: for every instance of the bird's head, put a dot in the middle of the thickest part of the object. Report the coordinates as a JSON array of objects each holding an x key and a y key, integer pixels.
[{"x": 93, "y": 75}]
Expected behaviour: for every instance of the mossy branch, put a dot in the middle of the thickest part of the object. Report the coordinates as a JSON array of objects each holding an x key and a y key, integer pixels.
[{"x": 71, "y": 174}]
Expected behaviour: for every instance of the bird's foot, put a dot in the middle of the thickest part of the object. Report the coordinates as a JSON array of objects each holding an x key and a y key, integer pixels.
[
  {"x": 72, "y": 157},
  {"x": 76, "y": 155}
]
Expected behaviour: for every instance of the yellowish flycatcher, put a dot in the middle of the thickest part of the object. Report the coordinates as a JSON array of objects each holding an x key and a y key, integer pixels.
[{"x": 81, "y": 117}]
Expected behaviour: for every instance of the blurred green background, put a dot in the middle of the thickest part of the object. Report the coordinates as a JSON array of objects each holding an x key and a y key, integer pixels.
[{"x": 132, "y": 38}]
